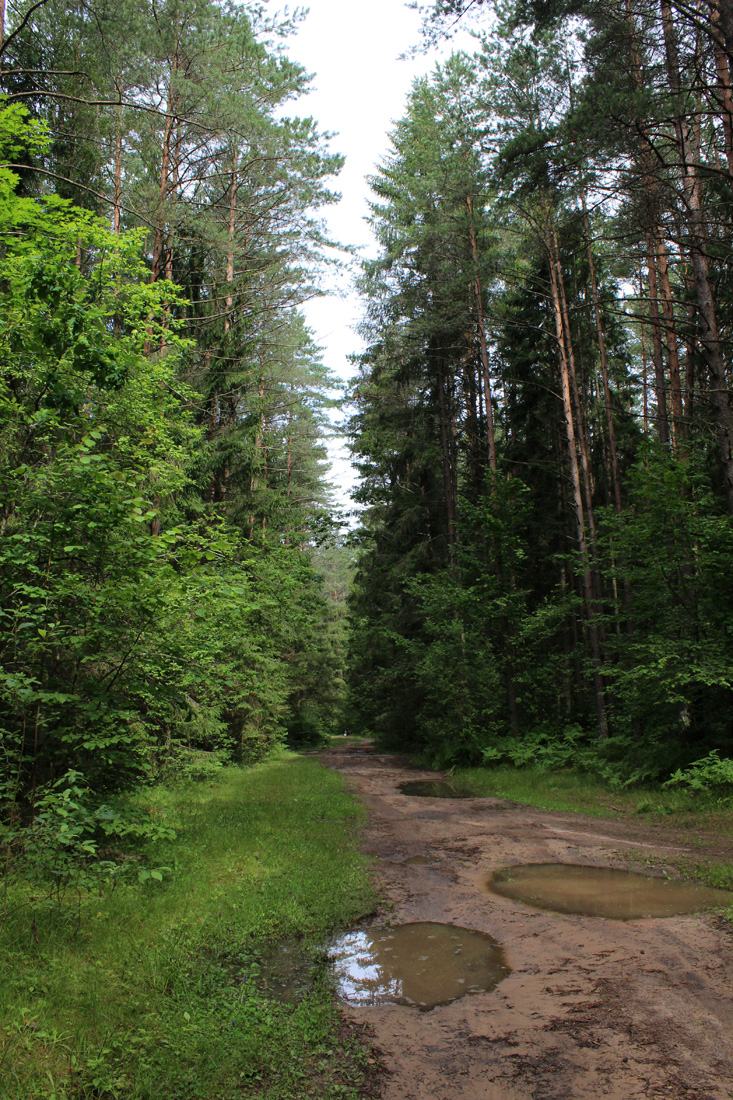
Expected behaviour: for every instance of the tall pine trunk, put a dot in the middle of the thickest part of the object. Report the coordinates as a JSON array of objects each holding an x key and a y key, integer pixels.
[
  {"x": 697, "y": 235},
  {"x": 577, "y": 492}
]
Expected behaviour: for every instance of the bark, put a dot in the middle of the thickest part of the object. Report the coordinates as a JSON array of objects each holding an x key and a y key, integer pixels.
[
  {"x": 230, "y": 247},
  {"x": 264, "y": 486},
  {"x": 690, "y": 364},
  {"x": 651, "y": 230},
  {"x": 468, "y": 377},
  {"x": 289, "y": 465},
  {"x": 697, "y": 231},
  {"x": 615, "y": 479},
  {"x": 670, "y": 332},
  {"x": 259, "y": 443},
  {"x": 660, "y": 386},
  {"x": 117, "y": 207},
  {"x": 163, "y": 189},
  {"x": 644, "y": 380},
  {"x": 445, "y": 453},
  {"x": 482, "y": 338},
  {"x": 582, "y": 442},
  {"x": 577, "y": 500},
  {"x": 723, "y": 91}
]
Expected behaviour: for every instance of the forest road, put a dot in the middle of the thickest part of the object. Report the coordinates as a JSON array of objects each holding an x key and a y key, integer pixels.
[{"x": 592, "y": 1008}]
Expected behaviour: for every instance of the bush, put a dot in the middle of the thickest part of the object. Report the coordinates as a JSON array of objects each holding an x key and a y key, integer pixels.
[{"x": 710, "y": 776}]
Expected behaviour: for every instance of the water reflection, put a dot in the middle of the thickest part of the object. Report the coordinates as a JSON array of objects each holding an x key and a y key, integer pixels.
[{"x": 423, "y": 964}]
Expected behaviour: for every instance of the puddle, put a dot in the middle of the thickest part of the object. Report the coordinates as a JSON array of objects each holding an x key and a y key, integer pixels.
[
  {"x": 434, "y": 788},
  {"x": 603, "y": 891},
  {"x": 422, "y": 965},
  {"x": 421, "y": 861},
  {"x": 289, "y": 971}
]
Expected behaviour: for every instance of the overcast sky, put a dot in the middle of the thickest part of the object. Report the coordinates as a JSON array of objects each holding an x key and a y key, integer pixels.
[{"x": 360, "y": 88}]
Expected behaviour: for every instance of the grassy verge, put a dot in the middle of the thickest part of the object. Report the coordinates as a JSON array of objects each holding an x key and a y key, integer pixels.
[
  {"x": 150, "y": 993},
  {"x": 576, "y": 792}
]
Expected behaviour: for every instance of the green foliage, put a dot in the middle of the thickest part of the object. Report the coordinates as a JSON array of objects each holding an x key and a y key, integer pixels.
[
  {"x": 568, "y": 789},
  {"x": 152, "y": 990},
  {"x": 553, "y": 592},
  {"x": 710, "y": 776},
  {"x": 674, "y": 674},
  {"x": 70, "y": 843},
  {"x": 135, "y": 631}
]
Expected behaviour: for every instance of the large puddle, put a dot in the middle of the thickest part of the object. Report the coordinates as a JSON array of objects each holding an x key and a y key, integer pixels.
[
  {"x": 434, "y": 788},
  {"x": 422, "y": 965},
  {"x": 603, "y": 891}
]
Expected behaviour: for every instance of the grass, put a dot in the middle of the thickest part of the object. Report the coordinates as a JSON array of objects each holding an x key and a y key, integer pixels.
[
  {"x": 570, "y": 791},
  {"x": 149, "y": 993}
]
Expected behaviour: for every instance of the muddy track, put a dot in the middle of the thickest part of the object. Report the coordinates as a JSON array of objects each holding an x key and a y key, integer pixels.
[{"x": 593, "y": 1007}]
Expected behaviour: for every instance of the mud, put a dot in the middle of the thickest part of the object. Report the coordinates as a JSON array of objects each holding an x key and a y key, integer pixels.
[
  {"x": 433, "y": 788},
  {"x": 593, "y": 1007}
]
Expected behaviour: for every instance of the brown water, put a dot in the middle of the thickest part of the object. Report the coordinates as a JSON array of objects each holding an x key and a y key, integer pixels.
[
  {"x": 422, "y": 861},
  {"x": 288, "y": 972},
  {"x": 434, "y": 788},
  {"x": 422, "y": 965},
  {"x": 603, "y": 891}
]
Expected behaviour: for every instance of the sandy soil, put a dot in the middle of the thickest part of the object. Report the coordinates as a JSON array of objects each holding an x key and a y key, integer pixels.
[{"x": 593, "y": 1007}]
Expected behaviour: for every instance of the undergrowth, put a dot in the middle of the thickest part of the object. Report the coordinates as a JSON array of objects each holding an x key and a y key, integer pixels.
[
  {"x": 571, "y": 790},
  {"x": 147, "y": 992}
]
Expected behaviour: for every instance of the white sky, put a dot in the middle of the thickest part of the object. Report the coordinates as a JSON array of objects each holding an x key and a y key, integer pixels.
[{"x": 360, "y": 88}]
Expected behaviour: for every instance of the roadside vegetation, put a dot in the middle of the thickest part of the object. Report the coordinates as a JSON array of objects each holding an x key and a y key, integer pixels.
[
  {"x": 705, "y": 816},
  {"x": 153, "y": 989},
  {"x": 573, "y": 791}
]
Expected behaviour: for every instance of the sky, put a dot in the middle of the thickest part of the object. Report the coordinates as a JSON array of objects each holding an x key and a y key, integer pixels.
[{"x": 360, "y": 89}]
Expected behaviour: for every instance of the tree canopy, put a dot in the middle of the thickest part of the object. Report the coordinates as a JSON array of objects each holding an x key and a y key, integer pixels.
[
  {"x": 163, "y": 405},
  {"x": 543, "y": 419}
]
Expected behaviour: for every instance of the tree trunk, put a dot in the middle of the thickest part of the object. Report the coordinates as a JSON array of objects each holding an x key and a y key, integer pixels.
[
  {"x": 615, "y": 479},
  {"x": 230, "y": 244},
  {"x": 117, "y": 208},
  {"x": 670, "y": 331},
  {"x": 582, "y": 441},
  {"x": 651, "y": 228},
  {"x": 158, "y": 242},
  {"x": 660, "y": 386},
  {"x": 482, "y": 339},
  {"x": 709, "y": 336},
  {"x": 445, "y": 453},
  {"x": 572, "y": 452},
  {"x": 723, "y": 91}
]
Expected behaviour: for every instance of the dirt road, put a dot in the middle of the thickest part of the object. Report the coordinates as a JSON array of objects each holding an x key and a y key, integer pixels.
[{"x": 593, "y": 1007}]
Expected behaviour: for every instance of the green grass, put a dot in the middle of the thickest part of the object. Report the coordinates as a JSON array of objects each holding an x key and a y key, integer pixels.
[
  {"x": 570, "y": 791},
  {"x": 148, "y": 993}
]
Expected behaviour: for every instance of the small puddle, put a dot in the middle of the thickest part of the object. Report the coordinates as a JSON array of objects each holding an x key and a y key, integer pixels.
[
  {"x": 434, "y": 788},
  {"x": 422, "y": 965},
  {"x": 603, "y": 891},
  {"x": 289, "y": 971},
  {"x": 421, "y": 861}
]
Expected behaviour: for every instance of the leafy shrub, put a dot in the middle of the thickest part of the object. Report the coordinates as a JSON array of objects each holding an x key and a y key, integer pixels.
[
  {"x": 710, "y": 776},
  {"x": 74, "y": 843},
  {"x": 540, "y": 749}
]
